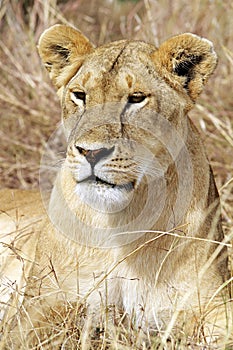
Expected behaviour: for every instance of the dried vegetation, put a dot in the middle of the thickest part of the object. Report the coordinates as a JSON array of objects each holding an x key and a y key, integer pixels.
[{"x": 30, "y": 111}]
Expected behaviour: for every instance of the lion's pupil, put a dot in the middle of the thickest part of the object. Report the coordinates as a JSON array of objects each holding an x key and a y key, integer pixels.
[
  {"x": 80, "y": 95},
  {"x": 136, "y": 98}
]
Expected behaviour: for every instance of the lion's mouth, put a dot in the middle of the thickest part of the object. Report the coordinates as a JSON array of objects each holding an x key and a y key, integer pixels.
[{"x": 95, "y": 180}]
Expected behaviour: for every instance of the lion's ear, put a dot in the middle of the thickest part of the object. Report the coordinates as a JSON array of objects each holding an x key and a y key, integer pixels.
[
  {"x": 62, "y": 50},
  {"x": 186, "y": 60}
]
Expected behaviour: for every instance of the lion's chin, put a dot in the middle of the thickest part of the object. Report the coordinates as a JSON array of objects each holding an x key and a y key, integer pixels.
[{"x": 103, "y": 196}]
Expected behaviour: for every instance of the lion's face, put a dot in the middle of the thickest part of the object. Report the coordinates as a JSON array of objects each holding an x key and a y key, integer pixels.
[
  {"x": 124, "y": 107},
  {"x": 112, "y": 112}
]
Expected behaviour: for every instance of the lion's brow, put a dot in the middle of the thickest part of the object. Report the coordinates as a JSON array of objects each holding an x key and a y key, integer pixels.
[{"x": 117, "y": 58}]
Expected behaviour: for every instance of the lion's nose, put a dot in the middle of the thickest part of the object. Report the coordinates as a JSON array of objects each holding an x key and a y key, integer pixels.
[{"x": 94, "y": 156}]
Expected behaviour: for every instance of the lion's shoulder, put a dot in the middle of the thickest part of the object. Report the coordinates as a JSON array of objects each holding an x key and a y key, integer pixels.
[
  {"x": 13, "y": 198},
  {"x": 20, "y": 209}
]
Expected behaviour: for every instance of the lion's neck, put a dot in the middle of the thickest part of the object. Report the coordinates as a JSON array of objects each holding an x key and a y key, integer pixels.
[
  {"x": 130, "y": 247},
  {"x": 91, "y": 227}
]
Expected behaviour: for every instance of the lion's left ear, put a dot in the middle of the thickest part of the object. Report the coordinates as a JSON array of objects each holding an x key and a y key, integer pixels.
[{"x": 186, "y": 61}]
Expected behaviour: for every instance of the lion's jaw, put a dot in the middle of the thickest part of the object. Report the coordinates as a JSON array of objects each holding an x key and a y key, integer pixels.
[
  {"x": 108, "y": 174},
  {"x": 102, "y": 201}
]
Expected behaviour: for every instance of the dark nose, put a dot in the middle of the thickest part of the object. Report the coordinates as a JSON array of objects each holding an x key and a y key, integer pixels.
[{"x": 94, "y": 156}]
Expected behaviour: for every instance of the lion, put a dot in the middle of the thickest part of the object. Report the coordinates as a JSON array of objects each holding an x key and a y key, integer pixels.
[{"x": 133, "y": 220}]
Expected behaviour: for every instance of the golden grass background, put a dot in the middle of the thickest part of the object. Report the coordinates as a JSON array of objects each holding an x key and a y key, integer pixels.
[{"x": 29, "y": 108}]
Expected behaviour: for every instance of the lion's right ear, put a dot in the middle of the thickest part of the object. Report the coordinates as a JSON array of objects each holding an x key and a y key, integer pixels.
[{"x": 62, "y": 50}]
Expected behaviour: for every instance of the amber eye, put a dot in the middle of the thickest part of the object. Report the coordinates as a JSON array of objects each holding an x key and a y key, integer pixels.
[
  {"x": 77, "y": 96},
  {"x": 137, "y": 97}
]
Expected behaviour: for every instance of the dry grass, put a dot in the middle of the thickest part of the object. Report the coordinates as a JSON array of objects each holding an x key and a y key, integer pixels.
[{"x": 30, "y": 109}]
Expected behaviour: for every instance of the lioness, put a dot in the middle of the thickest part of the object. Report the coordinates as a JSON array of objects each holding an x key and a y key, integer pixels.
[{"x": 133, "y": 218}]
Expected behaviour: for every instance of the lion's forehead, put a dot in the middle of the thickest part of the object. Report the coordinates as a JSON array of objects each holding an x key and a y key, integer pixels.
[
  {"x": 123, "y": 63},
  {"x": 120, "y": 53}
]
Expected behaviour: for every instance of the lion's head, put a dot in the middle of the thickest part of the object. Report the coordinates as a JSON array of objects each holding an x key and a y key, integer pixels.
[{"x": 124, "y": 112}]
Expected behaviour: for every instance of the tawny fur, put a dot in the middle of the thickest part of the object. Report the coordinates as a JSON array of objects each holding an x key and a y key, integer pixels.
[{"x": 167, "y": 278}]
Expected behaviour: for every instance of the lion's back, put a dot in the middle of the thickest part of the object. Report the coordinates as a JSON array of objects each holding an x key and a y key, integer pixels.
[{"x": 21, "y": 213}]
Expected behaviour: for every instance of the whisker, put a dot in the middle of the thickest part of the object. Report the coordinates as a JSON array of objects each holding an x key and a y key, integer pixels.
[
  {"x": 147, "y": 167},
  {"x": 53, "y": 164}
]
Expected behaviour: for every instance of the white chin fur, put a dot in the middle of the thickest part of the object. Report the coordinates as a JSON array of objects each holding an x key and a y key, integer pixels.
[{"x": 104, "y": 198}]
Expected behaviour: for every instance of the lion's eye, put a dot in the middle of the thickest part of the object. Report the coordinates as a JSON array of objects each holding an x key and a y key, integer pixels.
[
  {"x": 78, "y": 96},
  {"x": 136, "y": 97}
]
